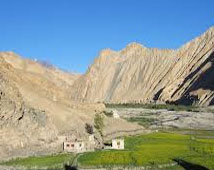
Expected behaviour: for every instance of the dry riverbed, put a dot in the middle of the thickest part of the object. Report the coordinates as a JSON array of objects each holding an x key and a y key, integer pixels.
[{"x": 156, "y": 119}]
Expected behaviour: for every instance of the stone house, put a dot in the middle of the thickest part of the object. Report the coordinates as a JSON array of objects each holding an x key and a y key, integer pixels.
[
  {"x": 117, "y": 144},
  {"x": 79, "y": 145},
  {"x": 115, "y": 114},
  {"x": 74, "y": 146}
]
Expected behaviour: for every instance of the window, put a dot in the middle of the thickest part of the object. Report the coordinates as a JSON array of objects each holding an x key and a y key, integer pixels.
[
  {"x": 80, "y": 144},
  {"x": 67, "y": 145},
  {"x": 118, "y": 143},
  {"x": 72, "y": 145}
]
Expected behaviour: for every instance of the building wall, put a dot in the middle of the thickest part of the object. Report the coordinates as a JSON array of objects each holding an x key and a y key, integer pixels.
[
  {"x": 74, "y": 147},
  {"x": 116, "y": 115},
  {"x": 118, "y": 144},
  {"x": 91, "y": 139}
]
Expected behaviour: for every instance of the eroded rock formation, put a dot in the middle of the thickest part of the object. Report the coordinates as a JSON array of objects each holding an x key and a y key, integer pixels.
[
  {"x": 35, "y": 108},
  {"x": 140, "y": 74},
  {"x": 39, "y": 103}
]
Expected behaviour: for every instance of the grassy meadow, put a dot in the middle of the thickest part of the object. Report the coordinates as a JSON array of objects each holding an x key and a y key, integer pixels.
[
  {"x": 49, "y": 162},
  {"x": 154, "y": 149},
  {"x": 145, "y": 150}
]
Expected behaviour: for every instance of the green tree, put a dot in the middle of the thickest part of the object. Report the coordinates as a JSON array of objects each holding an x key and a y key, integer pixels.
[
  {"x": 99, "y": 123},
  {"x": 89, "y": 128}
]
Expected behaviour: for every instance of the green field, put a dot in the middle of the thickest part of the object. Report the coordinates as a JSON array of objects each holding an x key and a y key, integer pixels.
[
  {"x": 49, "y": 162},
  {"x": 146, "y": 150},
  {"x": 143, "y": 121},
  {"x": 154, "y": 149}
]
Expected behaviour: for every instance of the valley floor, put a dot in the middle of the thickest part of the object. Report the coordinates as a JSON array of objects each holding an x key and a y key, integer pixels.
[
  {"x": 162, "y": 150},
  {"x": 173, "y": 145},
  {"x": 154, "y": 150}
]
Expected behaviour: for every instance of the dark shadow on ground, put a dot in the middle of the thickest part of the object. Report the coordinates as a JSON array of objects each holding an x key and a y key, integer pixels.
[
  {"x": 69, "y": 167},
  {"x": 189, "y": 166}
]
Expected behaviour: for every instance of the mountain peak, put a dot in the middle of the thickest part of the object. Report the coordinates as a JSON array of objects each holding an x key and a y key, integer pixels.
[
  {"x": 135, "y": 45},
  {"x": 106, "y": 52},
  {"x": 142, "y": 74},
  {"x": 210, "y": 31},
  {"x": 211, "y": 28}
]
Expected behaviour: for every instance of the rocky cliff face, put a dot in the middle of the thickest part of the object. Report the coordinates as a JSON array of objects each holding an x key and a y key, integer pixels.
[
  {"x": 39, "y": 103},
  {"x": 20, "y": 125},
  {"x": 140, "y": 74},
  {"x": 35, "y": 109}
]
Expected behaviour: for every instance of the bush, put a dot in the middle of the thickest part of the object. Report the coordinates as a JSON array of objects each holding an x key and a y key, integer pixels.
[
  {"x": 109, "y": 114},
  {"x": 89, "y": 128},
  {"x": 99, "y": 123}
]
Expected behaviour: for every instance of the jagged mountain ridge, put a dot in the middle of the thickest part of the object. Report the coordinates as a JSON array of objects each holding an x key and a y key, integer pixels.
[
  {"x": 35, "y": 109},
  {"x": 36, "y": 112},
  {"x": 144, "y": 75},
  {"x": 38, "y": 104}
]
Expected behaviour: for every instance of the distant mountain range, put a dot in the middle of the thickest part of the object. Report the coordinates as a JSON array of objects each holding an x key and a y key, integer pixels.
[
  {"x": 39, "y": 103},
  {"x": 137, "y": 74}
]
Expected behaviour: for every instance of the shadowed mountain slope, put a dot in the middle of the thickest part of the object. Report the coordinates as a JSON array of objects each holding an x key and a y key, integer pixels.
[
  {"x": 34, "y": 107},
  {"x": 36, "y": 110},
  {"x": 144, "y": 75}
]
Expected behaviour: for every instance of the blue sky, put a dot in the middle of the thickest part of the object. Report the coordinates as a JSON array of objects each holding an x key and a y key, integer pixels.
[{"x": 70, "y": 33}]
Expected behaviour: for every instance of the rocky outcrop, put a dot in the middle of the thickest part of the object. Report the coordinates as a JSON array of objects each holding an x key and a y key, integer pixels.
[
  {"x": 144, "y": 75},
  {"x": 23, "y": 129},
  {"x": 39, "y": 103},
  {"x": 36, "y": 112},
  {"x": 35, "y": 109}
]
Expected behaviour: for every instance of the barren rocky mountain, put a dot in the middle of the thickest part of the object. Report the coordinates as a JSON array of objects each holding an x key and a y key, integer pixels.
[
  {"x": 29, "y": 94},
  {"x": 144, "y": 75},
  {"x": 39, "y": 102},
  {"x": 36, "y": 110}
]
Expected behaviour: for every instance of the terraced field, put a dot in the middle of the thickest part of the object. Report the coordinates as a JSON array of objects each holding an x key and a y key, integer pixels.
[
  {"x": 155, "y": 149},
  {"x": 52, "y": 162}
]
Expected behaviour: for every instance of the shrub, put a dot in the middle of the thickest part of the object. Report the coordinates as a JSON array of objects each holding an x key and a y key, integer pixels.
[
  {"x": 99, "y": 123},
  {"x": 109, "y": 114},
  {"x": 89, "y": 128}
]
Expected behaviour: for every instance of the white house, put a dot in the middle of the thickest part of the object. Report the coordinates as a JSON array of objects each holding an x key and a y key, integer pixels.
[
  {"x": 115, "y": 114},
  {"x": 71, "y": 144},
  {"x": 118, "y": 144},
  {"x": 91, "y": 139},
  {"x": 75, "y": 146}
]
